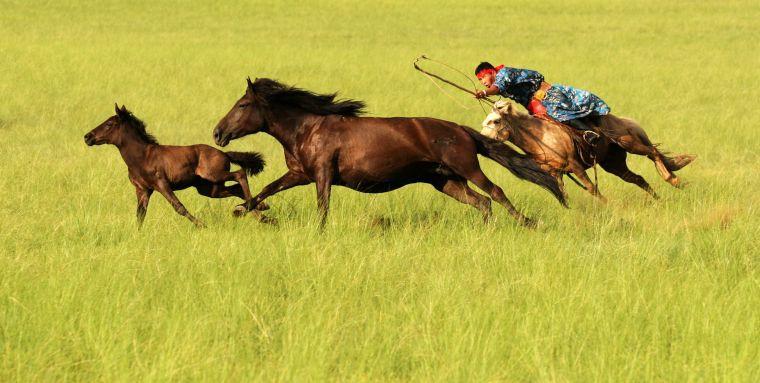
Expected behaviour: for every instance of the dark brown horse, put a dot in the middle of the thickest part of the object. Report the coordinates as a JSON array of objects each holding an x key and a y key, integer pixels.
[
  {"x": 165, "y": 168},
  {"x": 560, "y": 150},
  {"x": 326, "y": 142}
]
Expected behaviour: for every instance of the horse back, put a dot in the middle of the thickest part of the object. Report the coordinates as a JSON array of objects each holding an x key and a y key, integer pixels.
[{"x": 413, "y": 136}]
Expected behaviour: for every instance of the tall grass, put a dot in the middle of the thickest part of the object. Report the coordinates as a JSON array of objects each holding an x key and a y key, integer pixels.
[{"x": 401, "y": 286}]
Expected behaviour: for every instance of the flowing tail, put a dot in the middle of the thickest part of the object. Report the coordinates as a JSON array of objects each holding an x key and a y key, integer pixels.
[
  {"x": 252, "y": 162},
  {"x": 518, "y": 164}
]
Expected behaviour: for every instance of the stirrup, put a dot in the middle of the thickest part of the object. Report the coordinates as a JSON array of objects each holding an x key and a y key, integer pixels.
[{"x": 590, "y": 137}]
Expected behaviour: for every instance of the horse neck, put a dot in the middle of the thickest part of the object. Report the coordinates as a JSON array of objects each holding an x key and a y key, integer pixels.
[
  {"x": 523, "y": 134},
  {"x": 132, "y": 148},
  {"x": 285, "y": 126}
]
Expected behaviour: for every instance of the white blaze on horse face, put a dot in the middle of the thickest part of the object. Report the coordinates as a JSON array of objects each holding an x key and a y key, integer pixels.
[
  {"x": 491, "y": 125},
  {"x": 501, "y": 104}
]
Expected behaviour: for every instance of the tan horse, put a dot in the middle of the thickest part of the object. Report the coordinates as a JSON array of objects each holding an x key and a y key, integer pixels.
[{"x": 561, "y": 150}]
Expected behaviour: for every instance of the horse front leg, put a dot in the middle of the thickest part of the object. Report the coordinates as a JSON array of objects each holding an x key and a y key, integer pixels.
[
  {"x": 165, "y": 189},
  {"x": 143, "y": 197},
  {"x": 583, "y": 177},
  {"x": 324, "y": 185},
  {"x": 288, "y": 180}
]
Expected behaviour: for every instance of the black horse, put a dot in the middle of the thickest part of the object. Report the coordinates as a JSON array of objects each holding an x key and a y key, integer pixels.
[{"x": 326, "y": 142}]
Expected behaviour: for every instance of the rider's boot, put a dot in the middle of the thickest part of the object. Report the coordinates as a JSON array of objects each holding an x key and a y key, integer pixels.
[{"x": 590, "y": 133}]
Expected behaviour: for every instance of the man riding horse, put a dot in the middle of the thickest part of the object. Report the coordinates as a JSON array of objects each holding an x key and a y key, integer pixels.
[
  {"x": 566, "y": 104},
  {"x": 577, "y": 108}
]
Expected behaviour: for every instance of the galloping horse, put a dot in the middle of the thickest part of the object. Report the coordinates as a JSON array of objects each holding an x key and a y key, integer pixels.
[
  {"x": 165, "y": 168},
  {"x": 559, "y": 150},
  {"x": 327, "y": 142}
]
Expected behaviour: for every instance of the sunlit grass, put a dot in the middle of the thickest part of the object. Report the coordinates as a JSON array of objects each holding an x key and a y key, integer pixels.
[{"x": 401, "y": 286}]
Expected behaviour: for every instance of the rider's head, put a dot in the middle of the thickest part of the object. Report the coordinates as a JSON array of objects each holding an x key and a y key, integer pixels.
[{"x": 486, "y": 73}]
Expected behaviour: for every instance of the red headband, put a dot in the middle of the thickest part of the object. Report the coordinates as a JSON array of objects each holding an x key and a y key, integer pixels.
[{"x": 483, "y": 72}]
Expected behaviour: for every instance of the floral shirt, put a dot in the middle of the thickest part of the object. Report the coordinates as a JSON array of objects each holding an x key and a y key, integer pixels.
[
  {"x": 562, "y": 102},
  {"x": 518, "y": 84}
]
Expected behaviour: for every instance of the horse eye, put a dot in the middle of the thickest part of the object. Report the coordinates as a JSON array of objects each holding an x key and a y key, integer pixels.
[{"x": 241, "y": 106}]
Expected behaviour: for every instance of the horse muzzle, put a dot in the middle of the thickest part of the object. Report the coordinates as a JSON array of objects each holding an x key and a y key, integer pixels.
[
  {"x": 89, "y": 139},
  {"x": 221, "y": 138}
]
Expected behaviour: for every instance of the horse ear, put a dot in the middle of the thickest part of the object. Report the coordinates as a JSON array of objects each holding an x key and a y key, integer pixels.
[
  {"x": 121, "y": 112},
  {"x": 116, "y": 107},
  {"x": 250, "y": 84},
  {"x": 500, "y": 105},
  {"x": 510, "y": 109}
]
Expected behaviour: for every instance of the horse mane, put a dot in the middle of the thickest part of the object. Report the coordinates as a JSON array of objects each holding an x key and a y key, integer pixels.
[
  {"x": 137, "y": 126},
  {"x": 274, "y": 92}
]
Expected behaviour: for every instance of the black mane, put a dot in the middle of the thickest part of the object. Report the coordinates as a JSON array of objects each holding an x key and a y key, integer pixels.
[
  {"x": 137, "y": 126},
  {"x": 274, "y": 92}
]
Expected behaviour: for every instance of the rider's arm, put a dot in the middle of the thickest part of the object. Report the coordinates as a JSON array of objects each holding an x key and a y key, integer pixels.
[
  {"x": 492, "y": 90},
  {"x": 531, "y": 77}
]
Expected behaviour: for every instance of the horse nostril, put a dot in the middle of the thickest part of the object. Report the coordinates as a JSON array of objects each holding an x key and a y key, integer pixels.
[{"x": 87, "y": 136}]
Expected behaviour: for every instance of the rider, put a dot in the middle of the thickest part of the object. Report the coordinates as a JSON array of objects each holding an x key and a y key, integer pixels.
[{"x": 563, "y": 103}]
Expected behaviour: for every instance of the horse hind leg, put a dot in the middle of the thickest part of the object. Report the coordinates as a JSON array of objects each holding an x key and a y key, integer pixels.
[
  {"x": 480, "y": 180},
  {"x": 636, "y": 141},
  {"x": 220, "y": 190},
  {"x": 643, "y": 147},
  {"x": 616, "y": 164},
  {"x": 467, "y": 167},
  {"x": 458, "y": 189},
  {"x": 662, "y": 168}
]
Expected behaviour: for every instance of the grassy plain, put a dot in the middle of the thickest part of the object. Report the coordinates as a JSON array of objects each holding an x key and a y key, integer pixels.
[{"x": 401, "y": 286}]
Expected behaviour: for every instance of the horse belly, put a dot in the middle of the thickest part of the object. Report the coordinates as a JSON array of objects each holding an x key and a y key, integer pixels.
[
  {"x": 379, "y": 179},
  {"x": 554, "y": 151},
  {"x": 180, "y": 168}
]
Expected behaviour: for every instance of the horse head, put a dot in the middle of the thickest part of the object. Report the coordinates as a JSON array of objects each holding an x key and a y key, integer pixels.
[
  {"x": 246, "y": 117},
  {"x": 495, "y": 126}
]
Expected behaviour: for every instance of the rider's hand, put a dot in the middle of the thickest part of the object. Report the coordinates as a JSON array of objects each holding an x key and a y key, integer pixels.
[{"x": 481, "y": 94}]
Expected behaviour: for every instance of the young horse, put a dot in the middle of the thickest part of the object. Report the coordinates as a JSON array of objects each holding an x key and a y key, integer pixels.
[
  {"x": 326, "y": 142},
  {"x": 164, "y": 168},
  {"x": 559, "y": 151}
]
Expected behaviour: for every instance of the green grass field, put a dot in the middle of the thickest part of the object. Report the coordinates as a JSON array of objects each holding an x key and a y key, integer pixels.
[{"x": 403, "y": 286}]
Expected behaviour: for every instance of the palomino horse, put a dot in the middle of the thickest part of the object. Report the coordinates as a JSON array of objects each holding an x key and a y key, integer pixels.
[
  {"x": 165, "y": 168},
  {"x": 327, "y": 143},
  {"x": 560, "y": 150}
]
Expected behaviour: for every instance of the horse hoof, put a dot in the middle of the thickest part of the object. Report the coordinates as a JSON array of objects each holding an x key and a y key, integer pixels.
[
  {"x": 262, "y": 206},
  {"x": 529, "y": 223},
  {"x": 200, "y": 225},
  {"x": 239, "y": 211},
  {"x": 676, "y": 183},
  {"x": 268, "y": 220}
]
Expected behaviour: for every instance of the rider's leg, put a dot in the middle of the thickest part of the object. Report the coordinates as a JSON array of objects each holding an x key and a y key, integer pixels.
[{"x": 590, "y": 131}]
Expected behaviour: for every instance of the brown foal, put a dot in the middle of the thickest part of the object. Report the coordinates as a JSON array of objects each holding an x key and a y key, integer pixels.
[{"x": 166, "y": 168}]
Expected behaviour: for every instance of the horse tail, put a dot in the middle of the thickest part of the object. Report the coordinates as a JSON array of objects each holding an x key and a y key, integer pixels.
[
  {"x": 252, "y": 162},
  {"x": 677, "y": 162},
  {"x": 520, "y": 165}
]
